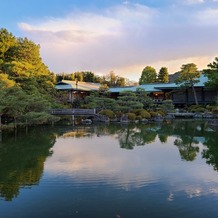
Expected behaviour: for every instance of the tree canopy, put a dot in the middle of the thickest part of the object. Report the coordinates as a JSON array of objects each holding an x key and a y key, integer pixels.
[
  {"x": 23, "y": 77},
  {"x": 212, "y": 74},
  {"x": 188, "y": 76},
  {"x": 163, "y": 75},
  {"x": 148, "y": 75}
]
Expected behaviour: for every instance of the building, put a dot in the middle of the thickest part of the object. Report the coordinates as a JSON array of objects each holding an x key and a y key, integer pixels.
[{"x": 181, "y": 96}]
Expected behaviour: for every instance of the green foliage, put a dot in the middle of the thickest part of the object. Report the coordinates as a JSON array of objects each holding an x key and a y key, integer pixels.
[
  {"x": 154, "y": 113},
  {"x": 26, "y": 84},
  {"x": 111, "y": 80},
  {"x": 212, "y": 74},
  {"x": 138, "y": 117},
  {"x": 99, "y": 102},
  {"x": 128, "y": 101},
  {"x": 37, "y": 118},
  {"x": 108, "y": 113},
  {"x": 5, "y": 82},
  {"x": 163, "y": 75},
  {"x": 131, "y": 116},
  {"x": 143, "y": 113},
  {"x": 167, "y": 106},
  {"x": 188, "y": 76},
  {"x": 104, "y": 90},
  {"x": 7, "y": 43},
  {"x": 196, "y": 109},
  {"x": 215, "y": 110},
  {"x": 161, "y": 113},
  {"x": 212, "y": 108},
  {"x": 144, "y": 98},
  {"x": 148, "y": 75}
]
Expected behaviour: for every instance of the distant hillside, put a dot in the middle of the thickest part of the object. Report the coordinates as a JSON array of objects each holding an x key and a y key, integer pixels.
[{"x": 173, "y": 77}]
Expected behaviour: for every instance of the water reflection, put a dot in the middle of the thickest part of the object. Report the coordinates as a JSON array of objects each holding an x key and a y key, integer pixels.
[
  {"x": 92, "y": 153},
  {"x": 188, "y": 134},
  {"x": 22, "y": 160}
]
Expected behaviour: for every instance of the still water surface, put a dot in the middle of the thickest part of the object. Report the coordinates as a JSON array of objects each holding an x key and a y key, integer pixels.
[{"x": 156, "y": 170}]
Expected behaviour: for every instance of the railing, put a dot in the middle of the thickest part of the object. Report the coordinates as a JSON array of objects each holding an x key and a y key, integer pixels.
[{"x": 73, "y": 112}]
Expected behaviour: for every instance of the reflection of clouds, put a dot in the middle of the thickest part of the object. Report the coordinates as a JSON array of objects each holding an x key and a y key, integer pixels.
[
  {"x": 170, "y": 197},
  {"x": 194, "y": 192},
  {"x": 101, "y": 160}
]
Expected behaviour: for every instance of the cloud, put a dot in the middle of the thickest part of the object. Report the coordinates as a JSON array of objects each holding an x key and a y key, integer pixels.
[
  {"x": 190, "y": 2},
  {"x": 124, "y": 38},
  {"x": 208, "y": 16}
]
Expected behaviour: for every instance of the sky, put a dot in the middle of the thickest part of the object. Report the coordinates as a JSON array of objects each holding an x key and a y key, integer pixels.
[{"x": 119, "y": 36}]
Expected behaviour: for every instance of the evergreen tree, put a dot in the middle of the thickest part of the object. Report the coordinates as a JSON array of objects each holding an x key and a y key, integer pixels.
[
  {"x": 26, "y": 84},
  {"x": 148, "y": 75},
  {"x": 163, "y": 75},
  {"x": 188, "y": 77},
  {"x": 127, "y": 101},
  {"x": 212, "y": 74}
]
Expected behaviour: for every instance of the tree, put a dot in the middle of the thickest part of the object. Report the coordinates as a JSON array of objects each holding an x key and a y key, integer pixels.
[
  {"x": 88, "y": 77},
  {"x": 212, "y": 74},
  {"x": 104, "y": 90},
  {"x": 188, "y": 77},
  {"x": 128, "y": 101},
  {"x": 5, "y": 82},
  {"x": 163, "y": 75},
  {"x": 7, "y": 42},
  {"x": 26, "y": 84},
  {"x": 14, "y": 103},
  {"x": 112, "y": 80},
  {"x": 148, "y": 75},
  {"x": 144, "y": 98},
  {"x": 100, "y": 101}
]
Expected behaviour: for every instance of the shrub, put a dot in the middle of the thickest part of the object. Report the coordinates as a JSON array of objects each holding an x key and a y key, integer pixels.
[
  {"x": 167, "y": 106},
  {"x": 196, "y": 108},
  {"x": 137, "y": 111},
  {"x": 215, "y": 110},
  {"x": 118, "y": 114},
  {"x": 162, "y": 113},
  {"x": 210, "y": 108},
  {"x": 145, "y": 114},
  {"x": 108, "y": 113},
  {"x": 138, "y": 117},
  {"x": 154, "y": 114},
  {"x": 131, "y": 116},
  {"x": 199, "y": 110},
  {"x": 142, "y": 112}
]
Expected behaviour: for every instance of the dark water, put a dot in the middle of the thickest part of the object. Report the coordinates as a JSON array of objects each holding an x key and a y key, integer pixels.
[{"x": 136, "y": 171}]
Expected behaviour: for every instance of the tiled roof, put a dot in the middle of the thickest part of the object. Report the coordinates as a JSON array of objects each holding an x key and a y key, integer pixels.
[
  {"x": 82, "y": 86},
  {"x": 156, "y": 87}
]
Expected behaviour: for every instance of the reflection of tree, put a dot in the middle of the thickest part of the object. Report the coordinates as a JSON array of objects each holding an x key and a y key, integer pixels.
[
  {"x": 185, "y": 142},
  {"x": 22, "y": 161},
  {"x": 126, "y": 138},
  {"x": 136, "y": 136},
  {"x": 163, "y": 137},
  {"x": 186, "y": 149},
  {"x": 211, "y": 153}
]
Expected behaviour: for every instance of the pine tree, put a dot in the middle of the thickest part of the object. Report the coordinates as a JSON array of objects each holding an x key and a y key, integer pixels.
[{"x": 163, "y": 75}]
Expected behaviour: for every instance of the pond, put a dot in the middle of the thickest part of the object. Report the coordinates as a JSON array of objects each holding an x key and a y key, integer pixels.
[{"x": 165, "y": 169}]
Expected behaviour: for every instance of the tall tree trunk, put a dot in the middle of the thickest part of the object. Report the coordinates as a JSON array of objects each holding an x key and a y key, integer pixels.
[{"x": 195, "y": 95}]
